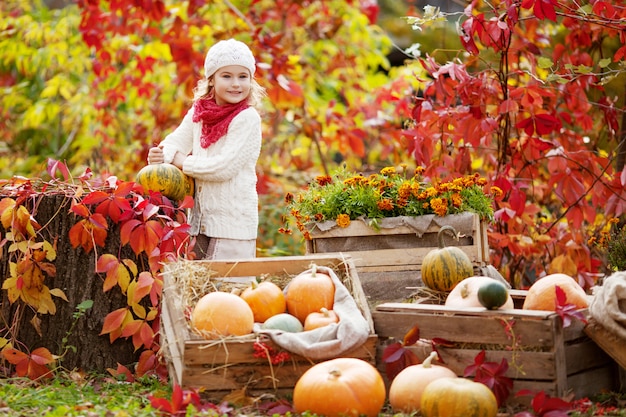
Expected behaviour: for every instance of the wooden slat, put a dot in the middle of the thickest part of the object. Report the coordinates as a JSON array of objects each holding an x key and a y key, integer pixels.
[
  {"x": 198, "y": 353},
  {"x": 611, "y": 343}
]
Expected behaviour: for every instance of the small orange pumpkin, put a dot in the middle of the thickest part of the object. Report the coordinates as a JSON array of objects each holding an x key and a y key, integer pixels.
[
  {"x": 308, "y": 292},
  {"x": 405, "y": 392},
  {"x": 465, "y": 294},
  {"x": 542, "y": 293},
  {"x": 321, "y": 318},
  {"x": 266, "y": 299},
  {"x": 348, "y": 387},
  {"x": 219, "y": 314}
]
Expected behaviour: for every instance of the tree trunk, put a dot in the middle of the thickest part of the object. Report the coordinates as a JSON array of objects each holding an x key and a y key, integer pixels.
[{"x": 84, "y": 349}]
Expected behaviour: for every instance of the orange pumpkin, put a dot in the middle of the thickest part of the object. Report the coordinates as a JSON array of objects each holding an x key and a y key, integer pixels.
[
  {"x": 219, "y": 314},
  {"x": 465, "y": 294},
  {"x": 308, "y": 292},
  {"x": 340, "y": 387},
  {"x": 265, "y": 299},
  {"x": 405, "y": 392},
  {"x": 321, "y": 318},
  {"x": 542, "y": 293}
]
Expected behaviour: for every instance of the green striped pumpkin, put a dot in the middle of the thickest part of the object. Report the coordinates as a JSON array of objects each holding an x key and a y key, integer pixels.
[
  {"x": 444, "y": 267},
  {"x": 167, "y": 179}
]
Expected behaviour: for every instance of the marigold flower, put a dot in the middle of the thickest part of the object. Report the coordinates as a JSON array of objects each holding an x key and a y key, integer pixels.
[
  {"x": 388, "y": 171},
  {"x": 288, "y": 198},
  {"x": 457, "y": 200},
  {"x": 439, "y": 206},
  {"x": 343, "y": 220},
  {"x": 419, "y": 170},
  {"x": 385, "y": 204},
  {"x": 496, "y": 191},
  {"x": 318, "y": 217},
  {"x": 323, "y": 180},
  {"x": 404, "y": 191}
]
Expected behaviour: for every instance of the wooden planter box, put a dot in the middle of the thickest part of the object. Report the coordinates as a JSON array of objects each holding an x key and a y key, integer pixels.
[
  {"x": 390, "y": 259},
  {"x": 223, "y": 366},
  {"x": 542, "y": 355}
]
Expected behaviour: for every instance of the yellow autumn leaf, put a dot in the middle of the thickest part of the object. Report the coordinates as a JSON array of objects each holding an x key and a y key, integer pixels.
[
  {"x": 57, "y": 292},
  {"x": 563, "y": 264}
]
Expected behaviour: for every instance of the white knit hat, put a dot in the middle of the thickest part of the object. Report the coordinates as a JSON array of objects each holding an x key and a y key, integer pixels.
[{"x": 229, "y": 52}]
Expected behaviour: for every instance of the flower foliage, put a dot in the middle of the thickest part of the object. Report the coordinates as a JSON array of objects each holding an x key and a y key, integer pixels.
[{"x": 346, "y": 196}]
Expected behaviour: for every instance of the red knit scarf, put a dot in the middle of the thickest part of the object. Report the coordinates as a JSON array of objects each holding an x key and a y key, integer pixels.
[{"x": 215, "y": 118}]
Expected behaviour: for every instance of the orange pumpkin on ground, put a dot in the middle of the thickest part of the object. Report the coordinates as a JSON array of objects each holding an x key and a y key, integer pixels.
[
  {"x": 266, "y": 299},
  {"x": 465, "y": 294},
  {"x": 321, "y": 318},
  {"x": 405, "y": 392},
  {"x": 542, "y": 293},
  {"x": 348, "y": 387},
  {"x": 219, "y": 314},
  {"x": 309, "y": 292}
]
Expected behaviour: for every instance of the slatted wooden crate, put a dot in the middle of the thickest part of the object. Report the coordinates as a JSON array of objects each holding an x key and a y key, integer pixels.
[
  {"x": 541, "y": 353},
  {"x": 226, "y": 365},
  {"x": 389, "y": 260}
]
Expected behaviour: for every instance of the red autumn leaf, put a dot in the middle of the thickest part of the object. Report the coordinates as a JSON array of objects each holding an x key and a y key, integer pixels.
[
  {"x": 544, "y": 405},
  {"x": 543, "y": 9},
  {"x": 33, "y": 366},
  {"x": 491, "y": 374},
  {"x": 54, "y": 166},
  {"x": 412, "y": 336},
  {"x": 177, "y": 405},
  {"x": 114, "y": 320},
  {"x": 566, "y": 311},
  {"x": 122, "y": 371}
]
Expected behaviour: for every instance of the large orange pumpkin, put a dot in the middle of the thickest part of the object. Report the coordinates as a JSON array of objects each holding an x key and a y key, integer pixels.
[
  {"x": 465, "y": 294},
  {"x": 542, "y": 293},
  {"x": 219, "y": 314},
  {"x": 405, "y": 392},
  {"x": 443, "y": 268},
  {"x": 266, "y": 299},
  {"x": 456, "y": 397},
  {"x": 167, "y": 179},
  {"x": 340, "y": 387},
  {"x": 309, "y": 292}
]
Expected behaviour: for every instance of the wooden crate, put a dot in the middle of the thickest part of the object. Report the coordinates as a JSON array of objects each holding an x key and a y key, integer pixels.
[
  {"x": 220, "y": 367},
  {"x": 545, "y": 356},
  {"x": 389, "y": 260}
]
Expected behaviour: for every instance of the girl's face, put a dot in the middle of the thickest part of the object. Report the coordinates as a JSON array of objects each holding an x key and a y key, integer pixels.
[{"x": 231, "y": 84}]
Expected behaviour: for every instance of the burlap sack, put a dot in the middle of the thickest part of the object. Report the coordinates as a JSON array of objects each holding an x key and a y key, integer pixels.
[
  {"x": 608, "y": 305},
  {"x": 329, "y": 341}
]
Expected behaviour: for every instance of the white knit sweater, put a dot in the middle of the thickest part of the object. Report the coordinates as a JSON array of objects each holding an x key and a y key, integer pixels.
[{"x": 226, "y": 199}]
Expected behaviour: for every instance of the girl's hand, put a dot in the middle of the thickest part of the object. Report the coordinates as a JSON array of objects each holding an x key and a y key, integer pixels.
[{"x": 155, "y": 155}]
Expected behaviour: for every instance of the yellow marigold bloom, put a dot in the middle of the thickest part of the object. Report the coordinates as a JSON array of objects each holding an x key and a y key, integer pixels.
[
  {"x": 356, "y": 180},
  {"x": 388, "y": 171},
  {"x": 457, "y": 200},
  {"x": 496, "y": 191},
  {"x": 431, "y": 192},
  {"x": 419, "y": 170},
  {"x": 385, "y": 204},
  {"x": 481, "y": 181},
  {"x": 343, "y": 220},
  {"x": 323, "y": 180}
]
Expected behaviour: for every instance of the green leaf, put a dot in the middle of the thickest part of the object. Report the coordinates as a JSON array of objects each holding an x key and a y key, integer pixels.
[{"x": 544, "y": 63}]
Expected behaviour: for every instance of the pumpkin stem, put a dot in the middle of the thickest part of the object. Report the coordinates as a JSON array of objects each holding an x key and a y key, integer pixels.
[
  {"x": 334, "y": 373},
  {"x": 313, "y": 267},
  {"x": 449, "y": 228},
  {"x": 428, "y": 361},
  {"x": 324, "y": 311}
]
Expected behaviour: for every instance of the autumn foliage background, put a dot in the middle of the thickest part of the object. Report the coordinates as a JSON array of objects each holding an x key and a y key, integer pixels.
[{"x": 530, "y": 94}]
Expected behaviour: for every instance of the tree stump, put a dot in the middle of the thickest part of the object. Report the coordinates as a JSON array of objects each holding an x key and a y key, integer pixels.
[{"x": 85, "y": 348}]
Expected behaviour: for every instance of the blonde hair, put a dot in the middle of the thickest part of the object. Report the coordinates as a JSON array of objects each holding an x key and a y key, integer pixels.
[{"x": 204, "y": 90}]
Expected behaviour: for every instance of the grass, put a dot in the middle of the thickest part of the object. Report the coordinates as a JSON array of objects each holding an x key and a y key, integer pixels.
[{"x": 73, "y": 395}]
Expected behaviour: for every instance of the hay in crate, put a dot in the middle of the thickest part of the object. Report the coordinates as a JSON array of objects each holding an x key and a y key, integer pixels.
[{"x": 194, "y": 279}]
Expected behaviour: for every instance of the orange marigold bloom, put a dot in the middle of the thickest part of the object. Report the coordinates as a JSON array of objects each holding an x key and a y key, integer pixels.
[
  {"x": 457, "y": 200},
  {"x": 323, "y": 180},
  {"x": 496, "y": 191},
  {"x": 319, "y": 217},
  {"x": 440, "y": 206},
  {"x": 385, "y": 204},
  {"x": 356, "y": 180},
  {"x": 419, "y": 170},
  {"x": 431, "y": 192},
  {"x": 481, "y": 181},
  {"x": 288, "y": 198},
  {"x": 404, "y": 191},
  {"x": 343, "y": 220}
]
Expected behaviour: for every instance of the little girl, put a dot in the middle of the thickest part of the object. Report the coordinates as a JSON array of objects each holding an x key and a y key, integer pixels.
[{"x": 218, "y": 144}]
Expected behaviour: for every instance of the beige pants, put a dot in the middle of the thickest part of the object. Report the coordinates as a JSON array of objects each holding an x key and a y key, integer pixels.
[{"x": 217, "y": 248}]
